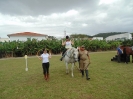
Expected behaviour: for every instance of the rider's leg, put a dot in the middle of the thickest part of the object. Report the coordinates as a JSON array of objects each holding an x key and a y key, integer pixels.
[{"x": 63, "y": 54}]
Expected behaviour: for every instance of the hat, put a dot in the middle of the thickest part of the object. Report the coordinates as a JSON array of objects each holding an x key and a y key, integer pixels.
[{"x": 82, "y": 46}]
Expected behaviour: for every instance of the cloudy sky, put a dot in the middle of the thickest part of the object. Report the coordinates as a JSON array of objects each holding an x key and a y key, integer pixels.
[{"x": 52, "y": 17}]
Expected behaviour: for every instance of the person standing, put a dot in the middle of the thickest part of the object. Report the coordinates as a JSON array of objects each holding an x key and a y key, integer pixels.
[
  {"x": 84, "y": 61},
  {"x": 68, "y": 44},
  {"x": 45, "y": 63},
  {"x": 119, "y": 53}
]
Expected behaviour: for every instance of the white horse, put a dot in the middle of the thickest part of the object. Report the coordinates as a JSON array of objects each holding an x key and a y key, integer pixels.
[{"x": 71, "y": 56}]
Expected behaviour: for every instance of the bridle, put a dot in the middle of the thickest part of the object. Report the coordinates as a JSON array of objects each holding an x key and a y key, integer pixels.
[{"x": 71, "y": 54}]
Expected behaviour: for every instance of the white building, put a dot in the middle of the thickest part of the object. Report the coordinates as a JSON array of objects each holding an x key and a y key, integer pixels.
[
  {"x": 97, "y": 38},
  {"x": 4, "y": 39},
  {"x": 119, "y": 36},
  {"x": 27, "y": 35}
]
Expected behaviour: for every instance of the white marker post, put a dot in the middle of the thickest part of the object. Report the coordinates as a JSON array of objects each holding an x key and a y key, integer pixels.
[{"x": 26, "y": 69}]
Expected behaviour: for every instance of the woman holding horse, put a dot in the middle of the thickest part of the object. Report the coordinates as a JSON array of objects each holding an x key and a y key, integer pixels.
[
  {"x": 68, "y": 44},
  {"x": 84, "y": 61}
]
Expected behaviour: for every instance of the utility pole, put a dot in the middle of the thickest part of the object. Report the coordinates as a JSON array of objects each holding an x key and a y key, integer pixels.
[{"x": 65, "y": 34}]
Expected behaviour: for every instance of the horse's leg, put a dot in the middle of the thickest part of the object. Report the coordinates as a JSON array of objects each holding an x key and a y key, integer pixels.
[
  {"x": 72, "y": 69},
  {"x": 67, "y": 71},
  {"x": 126, "y": 58}
]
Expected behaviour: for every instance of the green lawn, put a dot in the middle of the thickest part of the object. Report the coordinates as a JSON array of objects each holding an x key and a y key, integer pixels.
[{"x": 109, "y": 80}]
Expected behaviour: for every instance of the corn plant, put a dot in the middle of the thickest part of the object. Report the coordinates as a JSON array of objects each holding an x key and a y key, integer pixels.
[{"x": 32, "y": 47}]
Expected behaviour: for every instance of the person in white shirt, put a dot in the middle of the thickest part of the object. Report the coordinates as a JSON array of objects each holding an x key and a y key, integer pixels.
[
  {"x": 68, "y": 44},
  {"x": 45, "y": 63}
]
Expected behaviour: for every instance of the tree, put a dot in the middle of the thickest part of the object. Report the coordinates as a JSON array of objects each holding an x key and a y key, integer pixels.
[
  {"x": 52, "y": 38},
  {"x": 78, "y": 36}
]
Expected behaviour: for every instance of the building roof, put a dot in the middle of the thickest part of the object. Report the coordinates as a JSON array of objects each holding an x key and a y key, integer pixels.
[{"x": 26, "y": 34}]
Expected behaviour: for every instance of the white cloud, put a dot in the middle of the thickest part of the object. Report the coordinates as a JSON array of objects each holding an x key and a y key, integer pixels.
[
  {"x": 71, "y": 13},
  {"x": 13, "y": 20},
  {"x": 106, "y": 2},
  {"x": 84, "y": 24},
  {"x": 74, "y": 16}
]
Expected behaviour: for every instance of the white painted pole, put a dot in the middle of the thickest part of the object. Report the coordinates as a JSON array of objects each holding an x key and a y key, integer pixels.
[{"x": 26, "y": 69}]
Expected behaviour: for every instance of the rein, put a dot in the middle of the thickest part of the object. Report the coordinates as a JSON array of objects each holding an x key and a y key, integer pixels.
[{"x": 71, "y": 54}]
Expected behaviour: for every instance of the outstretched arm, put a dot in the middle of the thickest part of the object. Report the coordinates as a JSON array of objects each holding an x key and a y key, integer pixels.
[
  {"x": 63, "y": 43},
  {"x": 49, "y": 55},
  {"x": 40, "y": 58},
  {"x": 72, "y": 42}
]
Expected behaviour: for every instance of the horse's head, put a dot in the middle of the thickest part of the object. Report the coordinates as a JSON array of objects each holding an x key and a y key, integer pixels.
[
  {"x": 121, "y": 47},
  {"x": 75, "y": 54},
  {"x": 72, "y": 55}
]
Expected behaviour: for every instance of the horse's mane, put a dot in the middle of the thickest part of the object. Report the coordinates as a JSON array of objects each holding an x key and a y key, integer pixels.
[
  {"x": 73, "y": 48},
  {"x": 70, "y": 49}
]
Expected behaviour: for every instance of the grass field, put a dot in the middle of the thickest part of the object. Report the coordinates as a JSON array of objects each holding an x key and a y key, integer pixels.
[{"x": 109, "y": 80}]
